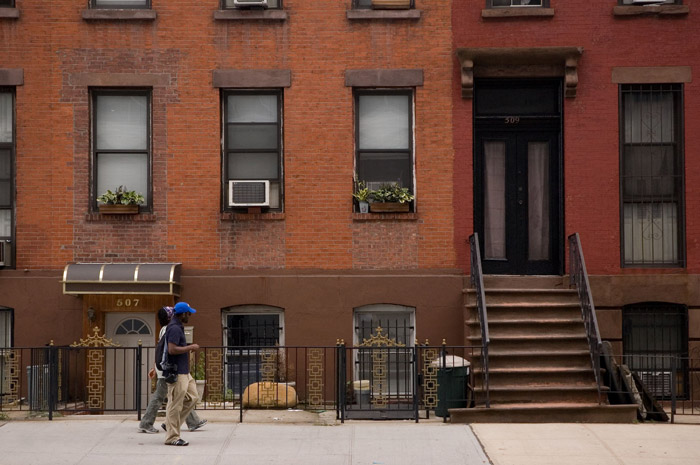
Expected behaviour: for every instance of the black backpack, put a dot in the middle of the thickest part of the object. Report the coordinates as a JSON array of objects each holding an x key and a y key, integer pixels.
[{"x": 159, "y": 352}]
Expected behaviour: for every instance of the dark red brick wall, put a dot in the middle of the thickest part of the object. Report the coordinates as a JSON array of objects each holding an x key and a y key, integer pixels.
[
  {"x": 58, "y": 51},
  {"x": 591, "y": 144}
]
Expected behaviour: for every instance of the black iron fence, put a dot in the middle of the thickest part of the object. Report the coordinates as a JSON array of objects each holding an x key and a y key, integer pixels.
[{"x": 383, "y": 380}]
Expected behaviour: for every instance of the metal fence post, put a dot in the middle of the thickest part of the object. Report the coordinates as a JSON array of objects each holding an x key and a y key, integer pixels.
[
  {"x": 240, "y": 384},
  {"x": 139, "y": 371},
  {"x": 415, "y": 381},
  {"x": 674, "y": 374},
  {"x": 52, "y": 378}
]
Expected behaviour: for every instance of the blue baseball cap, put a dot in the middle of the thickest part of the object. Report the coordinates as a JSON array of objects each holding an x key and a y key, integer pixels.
[{"x": 183, "y": 307}]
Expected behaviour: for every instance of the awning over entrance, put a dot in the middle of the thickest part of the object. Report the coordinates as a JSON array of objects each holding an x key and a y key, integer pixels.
[{"x": 122, "y": 278}]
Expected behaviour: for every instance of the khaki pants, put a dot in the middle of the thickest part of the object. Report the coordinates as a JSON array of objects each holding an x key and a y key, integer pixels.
[{"x": 182, "y": 398}]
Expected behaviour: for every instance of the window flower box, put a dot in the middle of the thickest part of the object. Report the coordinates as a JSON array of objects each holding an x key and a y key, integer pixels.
[
  {"x": 388, "y": 207},
  {"x": 119, "y": 209}
]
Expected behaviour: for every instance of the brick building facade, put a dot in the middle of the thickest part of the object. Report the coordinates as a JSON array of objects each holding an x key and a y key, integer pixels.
[{"x": 311, "y": 260}]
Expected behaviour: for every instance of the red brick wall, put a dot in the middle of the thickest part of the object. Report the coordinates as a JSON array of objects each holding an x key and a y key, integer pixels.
[
  {"x": 55, "y": 47},
  {"x": 591, "y": 144}
]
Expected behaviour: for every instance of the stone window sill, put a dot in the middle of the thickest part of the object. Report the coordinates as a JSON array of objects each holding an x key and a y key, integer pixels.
[
  {"x": 517, "y": 12},
  {"x": 637, "y": 10},
  {"x": 359, "y": 14},
  {"x": 96, "y": 14},
  {"x": 9, "y": 13},
  {"x": 361, "y": 217},
  {"x": 248, "y": 15},
  {"x": 145, "y": 217},
  {"x": 231, "y": 216}
]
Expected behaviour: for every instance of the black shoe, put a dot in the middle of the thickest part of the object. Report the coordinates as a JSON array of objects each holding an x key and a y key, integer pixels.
[
  {"x": 178, "y": 442},
  {"x": 162, "y": 425}
]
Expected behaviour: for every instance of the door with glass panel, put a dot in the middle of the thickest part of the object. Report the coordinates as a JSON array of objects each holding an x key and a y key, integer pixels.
[{"x": 518, "y": 177}]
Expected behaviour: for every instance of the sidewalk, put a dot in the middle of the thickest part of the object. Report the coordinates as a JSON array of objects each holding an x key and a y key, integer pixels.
[{"x": 306, "y": 438}]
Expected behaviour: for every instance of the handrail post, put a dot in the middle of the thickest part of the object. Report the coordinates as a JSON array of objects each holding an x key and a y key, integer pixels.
[
  {"x": 52, "y": 378},
  {"x": 477, "y": 280}
]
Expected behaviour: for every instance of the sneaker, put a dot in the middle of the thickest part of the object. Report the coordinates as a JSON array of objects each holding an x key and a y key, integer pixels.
[
  {"x": 162, "y": 425},
  {"x": 198, "y": 425},
  {"x": 149, "y": 430}
]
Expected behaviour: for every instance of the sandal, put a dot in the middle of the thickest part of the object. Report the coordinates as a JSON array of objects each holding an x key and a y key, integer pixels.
[{"x": 178, "y": 442}]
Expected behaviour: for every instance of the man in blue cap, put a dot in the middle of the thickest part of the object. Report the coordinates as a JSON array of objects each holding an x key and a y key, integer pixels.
[{"x": 182, "y": 394}]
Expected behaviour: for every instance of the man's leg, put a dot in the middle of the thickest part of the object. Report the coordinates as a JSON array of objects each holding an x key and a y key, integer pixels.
[
  {"x": 176, "y": 398},
  {"x": 190, "y": 398},
  {"x": 192, "y": 419},
  {"x": 149, "y": 417}
]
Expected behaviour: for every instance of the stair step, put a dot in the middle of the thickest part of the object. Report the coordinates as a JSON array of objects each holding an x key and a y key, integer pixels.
[
  {"x": 524, "y": 359},
  {"x": 498, "y": 296},
  {"x": 506, "y": 395},
  {"x": 546, "y": 414},
  {"x": 525, "y": 282}
]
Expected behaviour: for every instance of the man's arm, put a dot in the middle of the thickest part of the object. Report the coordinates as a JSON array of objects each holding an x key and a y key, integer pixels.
[{"x": 177, "y": 350}]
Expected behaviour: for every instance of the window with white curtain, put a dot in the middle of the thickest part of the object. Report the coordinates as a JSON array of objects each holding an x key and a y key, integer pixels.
[
  {"x": 384, "y": 138},
  {"x": 651, "y": 171},
  {"x": 121, "y": 142},
  {"x": 253, "y": 140},
  {"x": 120, "y": 4},
  {"x": 7, "y": 158}
]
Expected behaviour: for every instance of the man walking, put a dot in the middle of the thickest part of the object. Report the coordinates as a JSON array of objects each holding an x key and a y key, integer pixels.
[
  {"x": 193, "y": 421},
  {"x": 182, "y": 394}
]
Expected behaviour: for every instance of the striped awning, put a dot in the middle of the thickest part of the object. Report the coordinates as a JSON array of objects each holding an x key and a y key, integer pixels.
[{"x": 122, "y": 278}]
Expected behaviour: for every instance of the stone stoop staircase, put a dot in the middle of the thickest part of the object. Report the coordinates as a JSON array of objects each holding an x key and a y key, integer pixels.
[{"x": 540, "y": 366}]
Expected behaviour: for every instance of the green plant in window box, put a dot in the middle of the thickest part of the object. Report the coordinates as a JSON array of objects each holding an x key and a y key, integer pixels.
[
  {"x": 362, "y": 195},
  {"x": 391, "y": 198},
  {"x": 120, "y": 202}
]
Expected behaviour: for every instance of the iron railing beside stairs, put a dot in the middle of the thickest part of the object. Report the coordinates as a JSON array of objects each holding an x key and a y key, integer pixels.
[
  {"x": 477, "y": 280},
  {"x": 579, "y": 278}
]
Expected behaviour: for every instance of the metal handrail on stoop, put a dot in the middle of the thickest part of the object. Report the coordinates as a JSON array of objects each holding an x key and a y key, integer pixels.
[{"x": 477, "y": 280}]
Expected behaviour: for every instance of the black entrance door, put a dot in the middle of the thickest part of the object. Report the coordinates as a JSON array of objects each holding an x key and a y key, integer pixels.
[{"x": 518, "y": 179}]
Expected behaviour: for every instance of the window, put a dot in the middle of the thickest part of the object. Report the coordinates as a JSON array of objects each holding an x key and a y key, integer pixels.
[
  {"x": 7, "y": 3},
  {"x": 120, "y": 4},
  {"x": 5, "y": 327},
  {"x": 248, "y": 330},
  {"x": 121, "y": 142},
  {"x": 516, "y": 3},
  {"x": 652, "y": 174},
  {"x": 133, "y": 326},
  {"x": 253, "y": 140},
  {"x": 398, "y": 324},
  {"x": 232, "y": 4},
  {"x": 384, "y": 138},
  {"x": 652, "y": 334},
  {"x": 649, "y": 2},
  {"x": 390, "y": 4},
  {"x": 7, "y": 187}
]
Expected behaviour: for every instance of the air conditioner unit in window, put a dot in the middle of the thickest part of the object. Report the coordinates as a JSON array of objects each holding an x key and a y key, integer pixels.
[
  {"x": 249, "y": 193},
  {"x": 657, "y": 382},
  {"x": 250, "y": 3}
]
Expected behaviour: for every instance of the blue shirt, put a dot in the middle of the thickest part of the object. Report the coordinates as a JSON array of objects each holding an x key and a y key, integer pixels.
[{"x": 175, "y": 333}]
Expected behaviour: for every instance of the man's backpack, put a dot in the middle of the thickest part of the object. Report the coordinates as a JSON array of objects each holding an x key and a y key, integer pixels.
[{"x": 163, "y": 361}]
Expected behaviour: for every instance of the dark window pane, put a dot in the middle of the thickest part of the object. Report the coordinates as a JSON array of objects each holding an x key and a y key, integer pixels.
[
  {"x": 5, "y": 164},
  {"x": 252, "y": 136},
  {"x": 516, "y": 99},
  {"x": 385, "y": 168},
  {"x": 253, "y": 166},
  {"x": 253, "y": 330},
  {"x": 649, "y": 171},
  {"x": 5, "y": 194}
]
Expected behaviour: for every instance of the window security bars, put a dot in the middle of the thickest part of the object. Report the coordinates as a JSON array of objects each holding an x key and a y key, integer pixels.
[
  {"x": 651, "y": 175},
  {"x": 652, "y": 335}
]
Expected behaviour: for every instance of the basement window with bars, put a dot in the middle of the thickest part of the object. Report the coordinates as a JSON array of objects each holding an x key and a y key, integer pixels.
[
  {"x": 248, "y": 331},
  {"x": 654, "y": 333},
  {"x": 651, "y": 171}
]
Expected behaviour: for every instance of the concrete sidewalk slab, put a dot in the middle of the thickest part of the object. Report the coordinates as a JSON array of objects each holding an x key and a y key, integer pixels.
[
  {"x": 586, "y": 444},
  {"x": 117, "y": 441}
]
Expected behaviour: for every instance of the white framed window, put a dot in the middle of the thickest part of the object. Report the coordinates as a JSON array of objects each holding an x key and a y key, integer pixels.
[
  {"x": 5, "y": 327},
  {"x": 121, "y": 142},
  {"x": 253, "y": 140}
]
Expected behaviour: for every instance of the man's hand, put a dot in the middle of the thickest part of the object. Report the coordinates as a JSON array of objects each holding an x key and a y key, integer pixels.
[{"x": 152, "y": 373}]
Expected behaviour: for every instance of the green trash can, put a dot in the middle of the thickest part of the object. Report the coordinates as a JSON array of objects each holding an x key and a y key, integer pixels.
[{"x": 452, "y": 379}]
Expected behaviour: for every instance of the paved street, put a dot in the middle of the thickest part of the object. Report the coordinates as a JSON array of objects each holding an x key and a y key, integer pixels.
[{"x": 300, "y": 438}]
